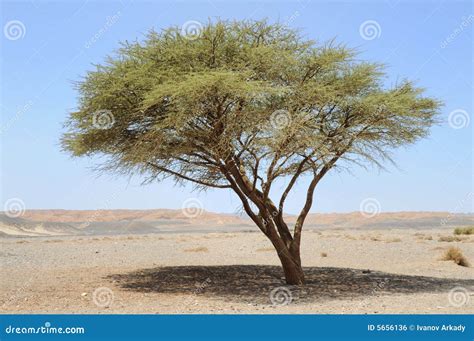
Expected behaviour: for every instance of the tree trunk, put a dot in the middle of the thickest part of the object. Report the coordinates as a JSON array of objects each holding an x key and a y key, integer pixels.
[{"x": 291, "y": 264}]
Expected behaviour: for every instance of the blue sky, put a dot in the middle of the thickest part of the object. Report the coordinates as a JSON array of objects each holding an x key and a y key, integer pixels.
[{"x": 46, "y": 46}]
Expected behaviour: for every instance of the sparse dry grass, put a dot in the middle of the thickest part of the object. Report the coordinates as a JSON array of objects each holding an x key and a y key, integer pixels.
[
  {"x": 218, "y": 235},
  {"x": 324, "y": 254},
  {"x": 386, "y": 240},
  {"x": 464, "y": 230},
  {"x": 451, "y": 239},
  {"x": 423, "y": 236},
  {"x": 455, "y": 254},
  {"x": 197, "y": 249},
  {"x": 393, "y": 240}
]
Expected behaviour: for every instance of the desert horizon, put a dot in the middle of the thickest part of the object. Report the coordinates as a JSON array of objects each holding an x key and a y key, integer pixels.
[
  {"x": 168, "y": 261},
  {"x": 62, "y": 222}
]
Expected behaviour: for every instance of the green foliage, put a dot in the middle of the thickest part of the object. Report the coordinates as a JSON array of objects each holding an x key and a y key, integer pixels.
[
  {"x": 248, "y": 94},
  {"x": 464, "y": 230}
]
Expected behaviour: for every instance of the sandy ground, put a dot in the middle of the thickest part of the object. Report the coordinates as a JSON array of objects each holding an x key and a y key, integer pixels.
[{"x": 392, "y": 271}]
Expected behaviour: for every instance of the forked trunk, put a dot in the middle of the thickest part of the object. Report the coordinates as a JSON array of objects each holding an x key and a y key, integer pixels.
[
  {"x": 291, "y": 264},
  {"x": 289, "y": 254}
]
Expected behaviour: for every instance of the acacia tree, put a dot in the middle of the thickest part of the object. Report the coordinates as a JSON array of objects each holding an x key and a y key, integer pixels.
[{"x": 240, "y": 106}]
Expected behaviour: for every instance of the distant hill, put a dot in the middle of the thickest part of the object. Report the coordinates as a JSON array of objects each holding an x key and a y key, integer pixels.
[
  {"x": 106, "y": 222},
  {"x": 388, "y": 220}
]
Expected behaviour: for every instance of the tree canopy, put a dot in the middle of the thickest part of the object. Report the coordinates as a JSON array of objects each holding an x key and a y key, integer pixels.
[{"x": 240, "y": 105}]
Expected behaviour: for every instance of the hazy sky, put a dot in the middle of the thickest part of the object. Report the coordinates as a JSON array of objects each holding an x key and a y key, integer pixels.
[{"x": 45, "y": 46}]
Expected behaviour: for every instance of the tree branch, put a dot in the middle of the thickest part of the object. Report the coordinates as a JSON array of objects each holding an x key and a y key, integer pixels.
[{"x": 184, "y": 177}]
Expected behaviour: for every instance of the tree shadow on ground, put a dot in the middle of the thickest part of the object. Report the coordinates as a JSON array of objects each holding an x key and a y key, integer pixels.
[{"x": 255, "y": 283}]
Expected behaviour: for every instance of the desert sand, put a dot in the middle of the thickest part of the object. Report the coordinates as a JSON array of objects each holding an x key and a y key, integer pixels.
[{"x": 349, "y": 271}]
